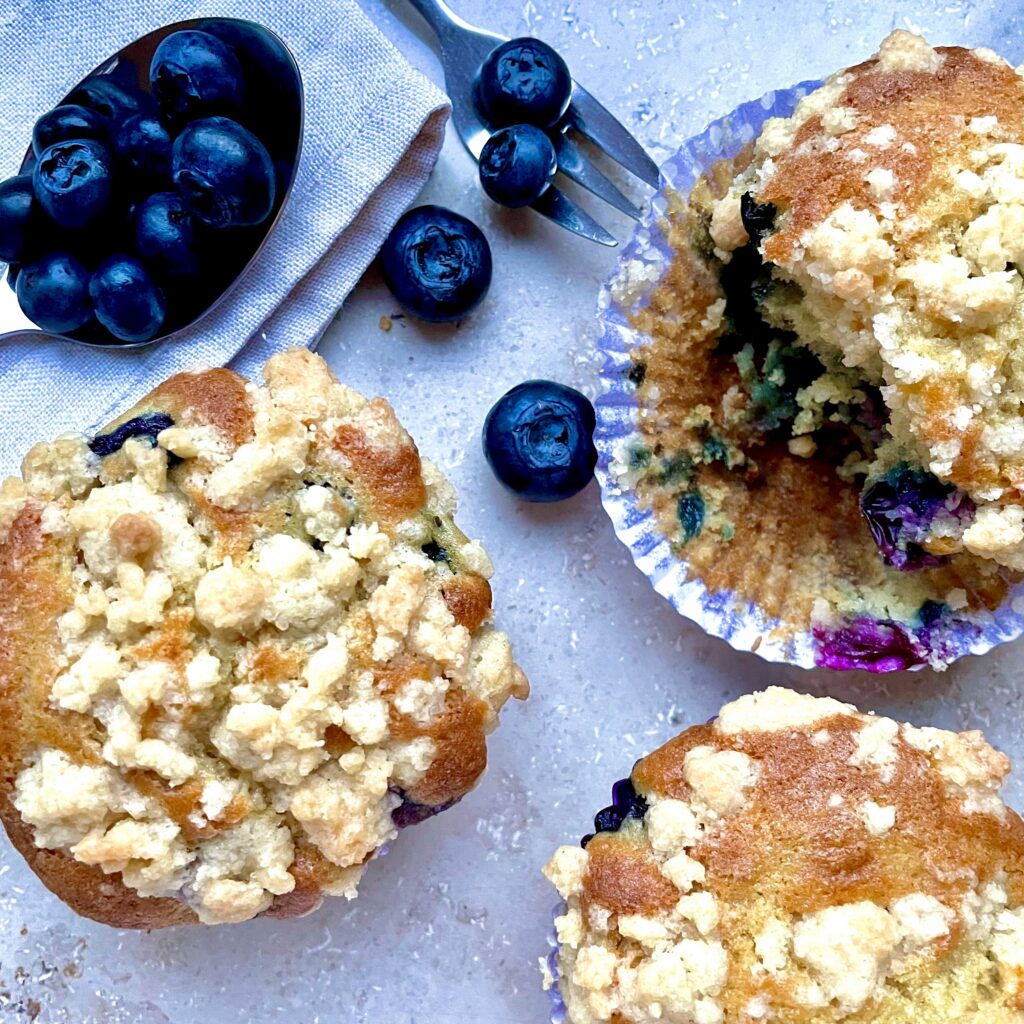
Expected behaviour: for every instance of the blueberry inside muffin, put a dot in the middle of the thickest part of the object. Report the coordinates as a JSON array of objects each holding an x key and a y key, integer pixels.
[
  {"x": 831, "y": 401},
  {"x": 797, "y": 861},
  {"x": 242, "y": 644}
]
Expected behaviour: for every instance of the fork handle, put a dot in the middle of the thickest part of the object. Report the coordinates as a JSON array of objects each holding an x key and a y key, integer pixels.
[{"x": 440, "y": 17}]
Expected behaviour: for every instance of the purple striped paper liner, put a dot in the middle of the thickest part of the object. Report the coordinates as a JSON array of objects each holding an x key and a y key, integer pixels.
[
  {"x": 558, "y": 1010},
  {"x": 740, "y": 622}
]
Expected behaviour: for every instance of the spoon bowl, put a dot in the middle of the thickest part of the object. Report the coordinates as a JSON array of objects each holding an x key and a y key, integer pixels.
[{"x": 274, "y": 113}]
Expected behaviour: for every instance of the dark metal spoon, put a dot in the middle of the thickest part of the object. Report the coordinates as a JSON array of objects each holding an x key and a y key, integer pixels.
[{"x": 272, "y": 71}]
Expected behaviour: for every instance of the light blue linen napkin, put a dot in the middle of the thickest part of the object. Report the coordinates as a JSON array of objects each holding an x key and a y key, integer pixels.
[{"x": 373, "y": 129}]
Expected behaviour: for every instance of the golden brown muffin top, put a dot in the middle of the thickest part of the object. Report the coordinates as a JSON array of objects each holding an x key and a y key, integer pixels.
[
  {"x": 898, "y": 188},
  {"x": 242, "y": 642},
  {"x": 798, "y": 861}
]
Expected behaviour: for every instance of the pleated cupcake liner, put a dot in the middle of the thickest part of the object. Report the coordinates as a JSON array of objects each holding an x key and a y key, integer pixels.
[
  {"x": 741, "y": 622},
  {"x": 558, "y": 1009}
]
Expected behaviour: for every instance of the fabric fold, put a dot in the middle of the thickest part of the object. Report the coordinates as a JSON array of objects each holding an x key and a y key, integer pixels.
[{"x": 373, "y": 129}]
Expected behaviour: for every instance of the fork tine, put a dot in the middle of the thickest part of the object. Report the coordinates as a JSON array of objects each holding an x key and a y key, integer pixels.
[
  {"x": 553, "y": 204},
  {"x": 589, "y": 118},
  {"x": 574, "y": 164},
  {"x": 557, "y": 206}
]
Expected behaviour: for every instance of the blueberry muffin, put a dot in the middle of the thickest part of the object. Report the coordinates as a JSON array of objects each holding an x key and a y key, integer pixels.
[
  {"x": 242, "y": 644},
  {"x": 831, "y": 398},
  {"x": 800, "y": 862}
]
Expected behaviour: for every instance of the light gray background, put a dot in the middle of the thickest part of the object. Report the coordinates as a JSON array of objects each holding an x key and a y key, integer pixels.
[{"x": 450, "y": 924}]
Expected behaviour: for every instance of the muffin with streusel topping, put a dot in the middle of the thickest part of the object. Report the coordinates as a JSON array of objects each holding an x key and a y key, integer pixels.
[
  {"x": 800, "y": 862},
  {"x": 830, "y": 391},
  {"x": 242, "y": 644}
]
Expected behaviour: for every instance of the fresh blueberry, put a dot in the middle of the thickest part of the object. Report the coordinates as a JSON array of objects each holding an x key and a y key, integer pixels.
[
  {"x": 223, "y": 255},
  {"x": 437, "y": 263},
  {"x": 194, "y": 74},
  {"x": 73, "y": 182},
  {"x": 165, "y": 235},
  {"x": 523, "y": 81},
  {"x": 271, "y": 107},
  {"x": 538, "y": 440},
  {"x": 13, "y": 270},
  {"x": 224, "y": 173},
  {"x": 127, "y": 302},
  {"x": 144, "y": 145},
  {"x": 110, "y": 100},
  {"x": 113, "y": 231},
  {"x": 517, "y": 164},
  {"x": 19, "y": 216},
  {"x": 54, "y": 293},
  {"x": 900, "y": 509},
  {"x": 147, "y": 426},
  {"x": 66, "y": 122}
]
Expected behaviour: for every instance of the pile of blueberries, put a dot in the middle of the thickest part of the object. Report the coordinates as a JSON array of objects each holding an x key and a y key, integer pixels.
[
  {"x": 538, "y": 438},
  {"x": 139, "y": 206}
]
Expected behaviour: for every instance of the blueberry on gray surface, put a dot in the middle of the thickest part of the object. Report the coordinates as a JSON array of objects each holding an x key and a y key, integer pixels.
[
  {"x": 517, "y": 164},
  {"x": 436, "y": 263},
  {"x": 523, "y": 81},
  {"x": 127, "y": 301},
  {"x": 53, "y": 293},
  {"x": 224, "y": 173},
  {"x": 19, "y": 215},
  {"x": 193, "y": 74},
  {"x": 68, "y": 121},
  {"x": 103, "y": 95},
  {"x": 146, "y": 426},
  {"x": 143, "y": 145},
  {"x": 538, "y": 440},
  {"x": 165, "y": 235},
  {"x": 73, "y": 182}
]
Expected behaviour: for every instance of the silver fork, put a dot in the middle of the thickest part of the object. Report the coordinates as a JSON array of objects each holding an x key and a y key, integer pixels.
[{"x": 463, "y": 48}]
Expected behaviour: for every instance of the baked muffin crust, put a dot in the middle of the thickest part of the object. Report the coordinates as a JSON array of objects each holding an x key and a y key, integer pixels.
[
  {"x": 242, "y": 643},
  {"x": 798, "y": 861},
  {"x": 829, "y": 389},
  {"x": 899, "y": 187}
]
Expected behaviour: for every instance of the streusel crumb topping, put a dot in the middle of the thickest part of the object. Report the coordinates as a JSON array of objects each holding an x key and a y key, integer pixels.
[
  {"x": 897, "y": 247},
  {"x": 272, "y": 645},
  {"x": 827, "y": 374},
  {"x": 798, "y": 861}
]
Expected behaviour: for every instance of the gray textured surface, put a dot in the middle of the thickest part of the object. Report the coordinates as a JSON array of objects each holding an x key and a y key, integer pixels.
[{"x": 450, "y": 924}]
